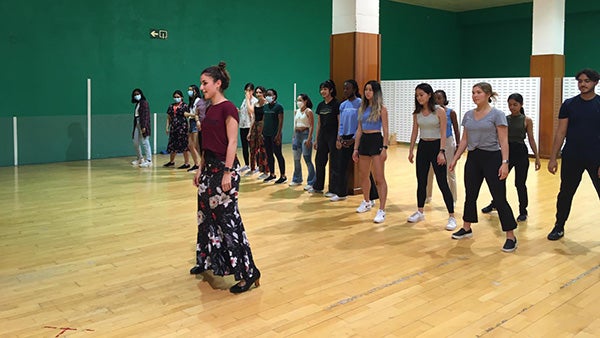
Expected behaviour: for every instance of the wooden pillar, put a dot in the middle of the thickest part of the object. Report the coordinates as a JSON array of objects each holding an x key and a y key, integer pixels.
[
  {"x": 551, "y": 70},
  {"x": 357, "y": 56}
]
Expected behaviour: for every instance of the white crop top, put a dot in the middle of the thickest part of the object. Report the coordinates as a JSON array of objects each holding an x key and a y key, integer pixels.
[{"x": 301, "y": 119}]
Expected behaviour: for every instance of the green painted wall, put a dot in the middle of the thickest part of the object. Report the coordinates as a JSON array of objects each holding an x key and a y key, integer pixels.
[
  {"x": 581, "y": 32},
  {"x": 48, "y": 57},
  {"x": 418, "y": 42}
]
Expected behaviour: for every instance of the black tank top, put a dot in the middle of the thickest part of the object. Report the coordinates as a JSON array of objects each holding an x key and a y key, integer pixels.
[{"x": 259, "y": 113}]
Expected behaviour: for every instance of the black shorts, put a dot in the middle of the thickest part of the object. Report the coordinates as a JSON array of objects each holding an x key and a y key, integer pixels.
[{"x": 370, "y": 144}]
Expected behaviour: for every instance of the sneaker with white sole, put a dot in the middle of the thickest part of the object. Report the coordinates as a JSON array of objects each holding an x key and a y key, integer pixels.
[
  {"x": 329, "y": 194},
  {"x": 451, "y": 223},
  {"x": 364, "y": 207},
  {"x": 145, "y": 164},
  {"x": 416, "y": 217},
  {"x": 336, "y": 198},
  {"x": 262, "y": 176},
  {"x": 510, "y": 245},
  {"x": 380, "y": 217},
  {"x": 294, "y": 184},
  {"x": 314, "y": 191},
  {"x": 136, "y": 162},
  {"x": 244, "y": 168},
  {"x": 462, "y": 233},
  {"x": 307, "y": 187}
]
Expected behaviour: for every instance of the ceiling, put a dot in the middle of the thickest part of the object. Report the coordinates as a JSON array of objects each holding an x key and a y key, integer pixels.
[{"x": 462, "y": 5}]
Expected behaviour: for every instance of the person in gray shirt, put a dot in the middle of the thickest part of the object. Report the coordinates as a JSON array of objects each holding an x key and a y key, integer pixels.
[{"x": 485, "y": 136}]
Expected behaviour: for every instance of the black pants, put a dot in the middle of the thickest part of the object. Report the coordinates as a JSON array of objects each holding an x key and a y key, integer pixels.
[
  {"x": 427, "y": 154},
  {"x": 570, "y": 177},
  {"x": 518, "y": 158},
  {"x": 481, "y": 165},
  {"x": 326, "y": 151},
  {"x": 245, "y": 145},
  {"x": 274, "y": 149}
]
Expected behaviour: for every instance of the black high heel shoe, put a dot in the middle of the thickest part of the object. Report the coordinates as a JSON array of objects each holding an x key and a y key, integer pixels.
[
  {"x": 196, "y": 270},
  {"x": 247, "y": 284}
]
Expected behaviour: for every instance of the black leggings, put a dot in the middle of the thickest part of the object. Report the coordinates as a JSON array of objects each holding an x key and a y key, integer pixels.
[
  {"x": 482, "y": 165},
  {"x": 427, "y": 153},
  {"x": 274, "y": 149},
  {"x": 245, "y": 145},
  {"x": 518, "y": 157}
]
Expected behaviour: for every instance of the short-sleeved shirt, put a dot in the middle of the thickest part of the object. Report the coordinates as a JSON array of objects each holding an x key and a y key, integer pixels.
[
  {"x": 245, "y": 120},
  {"x": 328, "y": 116},
  {"x": 583, "y": 129},
  {"x": 482, "y": 134},
  {"x": 214, "y": 131},
  {"x": 349, "y": 117},
  {"x": 271, "y": 118}
]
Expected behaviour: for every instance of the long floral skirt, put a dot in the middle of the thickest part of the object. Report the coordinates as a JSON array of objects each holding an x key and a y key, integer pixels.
[
  {"x": 222, "y": 245},
  {"x": 258, "y": 154}
]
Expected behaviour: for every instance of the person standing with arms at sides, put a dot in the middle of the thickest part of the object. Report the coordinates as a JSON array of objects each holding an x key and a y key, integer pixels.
[
  {"x": 222, "y": 245},
  {"x": 579, "y": 124},
  {"x": 177, "y": 129},
  {"x": 246, "y": 117},
  {"x": 429, "y": 121},
  {"x": 302, "y": 141},
  {"x": 328, "y": 112},
  {"x": 141, "y": 129},
  {"x": 193, "y": 122},
  {"x": 273, "y": 125},
  {"x": 485, "y": 135},
  {"x": 518, "y": 156},
  {"x": 451, "y": 125},
  {"x": 258, "y": 154},
  {"x": 370, "y": 146}
]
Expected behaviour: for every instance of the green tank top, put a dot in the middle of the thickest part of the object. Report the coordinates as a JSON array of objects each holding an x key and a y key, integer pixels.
[{"x": 516, "y": 128}]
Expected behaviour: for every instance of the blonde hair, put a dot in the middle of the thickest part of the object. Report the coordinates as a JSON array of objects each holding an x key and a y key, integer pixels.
[{"x": 376, "y": 105}]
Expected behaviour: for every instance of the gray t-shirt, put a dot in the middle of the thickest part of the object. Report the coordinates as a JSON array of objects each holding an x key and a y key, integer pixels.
[{"x": 482, "y": 134}]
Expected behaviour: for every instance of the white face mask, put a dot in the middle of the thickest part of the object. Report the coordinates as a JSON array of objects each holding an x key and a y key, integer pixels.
[
  {"x": 269, "y": 99},
  {"x": 177, "y": 99},
  {"x": 137, "y": 97},
  {"x": 300, "y": 104}
]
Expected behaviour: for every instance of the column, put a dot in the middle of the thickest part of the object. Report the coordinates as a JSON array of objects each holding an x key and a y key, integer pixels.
[
  {"x": 355, "y": 52},
  {"x": 548, "y": 63}
]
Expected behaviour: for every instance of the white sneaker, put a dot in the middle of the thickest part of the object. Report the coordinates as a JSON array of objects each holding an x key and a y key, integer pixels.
[
  {"x": 416, "y": 217},
  {"x": 428, "y": 200},
  {"x": 308, "y": 187},
  {"x": 293, "y": 184},
  {"x": 329, "y": 194},
  {"x": 145, "y": 164},
  {"x": 451, "y": 223},
  {"x": 364, "y": 207},
  {"x": 262, "y": 176},
  {"x": 244, "y": 168},
  {"x": 372, "y": 203},
  {"x": 336, "y": 198},
  {"x": 380, "y": 217},
  {"x": 135, "y": 163}
]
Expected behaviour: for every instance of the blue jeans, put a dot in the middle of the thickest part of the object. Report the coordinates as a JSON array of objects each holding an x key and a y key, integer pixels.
[
  {"x": 300, "y": 149},
  {"x": 139, "y": 142}
]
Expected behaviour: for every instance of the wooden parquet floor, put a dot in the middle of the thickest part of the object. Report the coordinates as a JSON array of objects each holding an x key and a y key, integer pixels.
[{"x": 102, "y": 249}]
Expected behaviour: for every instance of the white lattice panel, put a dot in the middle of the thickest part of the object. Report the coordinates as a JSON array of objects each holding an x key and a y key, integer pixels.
[
  {"x": 529, "y": 87},
  {"x": 399, "y": 98},
  {"x": 570, "y": 89}
]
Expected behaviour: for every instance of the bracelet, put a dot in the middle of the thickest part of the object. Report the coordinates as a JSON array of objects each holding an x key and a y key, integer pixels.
[
  {"x": 442, "y": 150},
  {"x": 355, "y": 149},
  {"x": 504, "y": 161},
  {"x": 385, "y": 147}
]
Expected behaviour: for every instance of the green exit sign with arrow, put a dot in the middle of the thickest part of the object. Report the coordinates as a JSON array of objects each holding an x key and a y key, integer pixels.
[{"x": 158, "y": 34}]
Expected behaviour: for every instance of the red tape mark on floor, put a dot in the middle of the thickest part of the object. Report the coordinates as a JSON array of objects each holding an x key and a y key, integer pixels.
[{"x": 65, "y": 329}]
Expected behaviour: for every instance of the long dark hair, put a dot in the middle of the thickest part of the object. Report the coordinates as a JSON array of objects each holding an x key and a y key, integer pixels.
[
  {"x": 133, "y": 94},
  {"x": 305, "y": 97},
  {"x": 430, "y": 103},
  {"x": 196, "y": 94},
  {"x": 519, "y": 98},
  {"x": 330, "y": 85}
]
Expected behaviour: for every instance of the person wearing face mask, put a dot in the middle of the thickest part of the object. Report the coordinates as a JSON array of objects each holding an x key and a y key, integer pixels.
[
  {"x": 273, "y": 123},
  {"x": 194, "y": 123},
  {"x": 177, "y": 129},
  {"x": 302, "y": 141},
  {"x": 141, "y": 129}
]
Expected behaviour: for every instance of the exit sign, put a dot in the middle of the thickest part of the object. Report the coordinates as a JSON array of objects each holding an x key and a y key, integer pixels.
[{"x": 158, "y": 34}]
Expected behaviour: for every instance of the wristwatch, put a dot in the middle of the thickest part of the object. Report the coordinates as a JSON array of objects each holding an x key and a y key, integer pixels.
[
  {"x": 385, "y": 147},
  {"x": 227, "y": 169},
  {"x": 504, "y": 161}
]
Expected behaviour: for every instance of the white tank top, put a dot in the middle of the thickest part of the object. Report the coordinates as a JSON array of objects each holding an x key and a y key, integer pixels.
[{"x": 301, "y": 119}]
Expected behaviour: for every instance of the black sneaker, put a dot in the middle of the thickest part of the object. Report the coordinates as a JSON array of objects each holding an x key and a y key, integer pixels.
[
  {"x": 462, "y": 233},
  {"x": 269, "y": 179},
  {"x": 282, "y": 179},
  {"x": 184, "y": 166},
  {"x": 194, "y": 167},
  {"x": 510, "y": 245},
  {"x": 169, "y": 164},
  {"x": 488, "y": 209},
  {"x": 557, "y": 233},
  {"x": 522, "y": 218}
]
